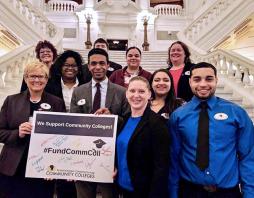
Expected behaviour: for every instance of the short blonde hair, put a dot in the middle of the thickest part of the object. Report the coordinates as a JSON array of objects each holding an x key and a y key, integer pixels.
[
  {"x": 142, "y": 79},
  {"x": 34, "y": 65}
]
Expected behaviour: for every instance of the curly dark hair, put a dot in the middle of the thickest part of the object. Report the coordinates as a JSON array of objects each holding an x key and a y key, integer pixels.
[
  {"x": 171, "y": 102},
  {"x": 59, "y": 62},
  {"x": 185, "y": 49},
  {"x": 45, "y": 44}
]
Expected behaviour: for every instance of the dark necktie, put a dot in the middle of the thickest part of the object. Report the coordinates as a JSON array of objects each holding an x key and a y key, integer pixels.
[
  {"x": 202, "y": 155},
  {"x": 97, "y": 98}
]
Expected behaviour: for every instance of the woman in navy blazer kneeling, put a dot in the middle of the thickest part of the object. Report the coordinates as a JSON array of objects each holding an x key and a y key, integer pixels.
[{"x": 142, "y": 147}]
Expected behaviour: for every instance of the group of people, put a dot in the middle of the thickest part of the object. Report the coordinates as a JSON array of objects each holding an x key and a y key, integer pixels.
[{"x": 175, "y": 138}]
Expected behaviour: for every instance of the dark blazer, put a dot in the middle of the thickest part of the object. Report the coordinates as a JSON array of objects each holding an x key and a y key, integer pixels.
[
  {"x": 16, "y": 110},
  {"x": 183, "y": 89},
  {"x": 116, "y": 101},
  {"x": 54, "y": 87},
  {"x": 87, "y": 76},
  {"x": 148, "y": 156}
]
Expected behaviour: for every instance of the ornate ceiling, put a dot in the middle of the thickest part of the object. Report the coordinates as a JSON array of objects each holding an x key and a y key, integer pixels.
[
  {"x": 241, "y": 40},
  {"x": 8, "y": 41}
]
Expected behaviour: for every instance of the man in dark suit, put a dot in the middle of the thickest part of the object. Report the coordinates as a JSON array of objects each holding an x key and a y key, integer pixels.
[
  {"x": 98, "y": 96},
  {"x": 102, "y": 44}
]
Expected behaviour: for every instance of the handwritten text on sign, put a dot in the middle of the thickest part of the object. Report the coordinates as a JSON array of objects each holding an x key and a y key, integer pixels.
[{"x": 72, "y": 146}]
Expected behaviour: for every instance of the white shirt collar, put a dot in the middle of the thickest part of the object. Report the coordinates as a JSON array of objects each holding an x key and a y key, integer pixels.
[
  {"x": 103, "y": 83},
  {"x": 75, "y": 85}
]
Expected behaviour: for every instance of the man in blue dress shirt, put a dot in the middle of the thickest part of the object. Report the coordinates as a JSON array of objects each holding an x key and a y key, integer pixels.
[{"x": 230, "y": 144}]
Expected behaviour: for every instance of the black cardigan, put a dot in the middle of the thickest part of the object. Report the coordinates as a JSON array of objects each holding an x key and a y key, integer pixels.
[
  {"x": 148, "y": 156},
  {"x": 183, "y": 89}
]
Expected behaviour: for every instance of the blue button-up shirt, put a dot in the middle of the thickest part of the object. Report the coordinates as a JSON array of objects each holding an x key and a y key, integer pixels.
[{"x": 231, "y": 146}]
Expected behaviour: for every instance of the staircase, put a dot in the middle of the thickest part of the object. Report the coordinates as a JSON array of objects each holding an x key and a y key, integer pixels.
[
  {"x": 214, "y": 23},
  {"x": 200, "y": 34},
  {"x": 211, "y": 24},
  {"x": 29, "y": 25},
  {"x": 228, "y": 94},
  {"x": 152, "y": 61}
]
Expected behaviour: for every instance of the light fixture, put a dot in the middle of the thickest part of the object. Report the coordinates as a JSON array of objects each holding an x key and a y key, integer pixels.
[
  {"x": 116, "y": 42},
  {"x": 88, "y": 16},
  {"x": 145, "y": 18}
]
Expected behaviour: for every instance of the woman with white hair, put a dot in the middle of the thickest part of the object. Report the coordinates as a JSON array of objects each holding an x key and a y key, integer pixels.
[{"x": 15, "y": 130}]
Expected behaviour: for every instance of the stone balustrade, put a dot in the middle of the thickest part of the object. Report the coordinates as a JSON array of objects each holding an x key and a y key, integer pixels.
[
  {"x": 168, "y": 10},
  {"x": 11, "y": 70},
  {"x": 32, "y": 26},
  {"x": 62, "y": 6},
  {"x": 32, "y": 16},
  {"x": 237, "y": 70},
  {"x": 213, "y": 15},
  {"x": 12, "y": 64}
]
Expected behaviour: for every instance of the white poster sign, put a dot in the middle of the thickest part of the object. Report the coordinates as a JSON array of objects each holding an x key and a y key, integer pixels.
[{"x": 72, "y": 146}]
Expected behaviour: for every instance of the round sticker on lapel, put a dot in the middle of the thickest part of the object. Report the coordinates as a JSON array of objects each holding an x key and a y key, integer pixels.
[
  {"x": 111, "y": 69},
  {"x": 187, "y": 73},
  {"x": 45, "y": 106},
  {"x": 81, "y": 102},
  {"x": 165, "y": 115},
  {"x": 220, "y": 116}
]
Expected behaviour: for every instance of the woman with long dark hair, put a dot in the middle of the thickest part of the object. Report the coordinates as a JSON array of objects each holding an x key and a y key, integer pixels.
[{"x": 163, "y": 100}]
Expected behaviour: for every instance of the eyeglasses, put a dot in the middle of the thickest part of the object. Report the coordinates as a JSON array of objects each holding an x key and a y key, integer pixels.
[
  {"x": 33, "y": 77},
  {"x": 74, "y": 66},
  {"x": 101, "y": 63},
  {"x": 45, "y": 51}
]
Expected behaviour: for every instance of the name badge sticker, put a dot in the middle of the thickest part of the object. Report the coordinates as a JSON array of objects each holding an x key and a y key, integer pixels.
[
  {"x": 45, "y": 106},
  {"x": 165, "y": 115},
  {"x": 81, "y": 102},
  {"x": 110, "y": 69},
  {"x": 187, "y": 73},
  {"x": 220, "y": 116}
]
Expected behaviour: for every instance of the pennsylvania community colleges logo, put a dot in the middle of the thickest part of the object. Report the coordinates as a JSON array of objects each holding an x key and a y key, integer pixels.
[
  {"x": 51, "y": 168},
  {"x": 99, "y": 143}
]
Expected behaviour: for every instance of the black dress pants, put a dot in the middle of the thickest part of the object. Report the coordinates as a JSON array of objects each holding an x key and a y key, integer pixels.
[
  {"x": 123, "y": 193},
  {"x": 89, "y": 189},
  {"x": 19, "y": 187},
  {"x": 65, "y": 189},
  {"x": 191, "y": 190}
]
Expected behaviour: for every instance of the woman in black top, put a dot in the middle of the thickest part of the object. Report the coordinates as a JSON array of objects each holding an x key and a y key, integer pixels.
[
  {"x": 142, "y": 147},
  {"x": 68, "y": 75},
  {"x": 179, "y": 66},
  {"x": 163, "y": 100}
]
